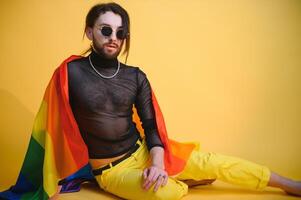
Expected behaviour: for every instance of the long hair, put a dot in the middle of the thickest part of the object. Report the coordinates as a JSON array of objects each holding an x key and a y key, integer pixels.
[{"x": 99, "y": 9}]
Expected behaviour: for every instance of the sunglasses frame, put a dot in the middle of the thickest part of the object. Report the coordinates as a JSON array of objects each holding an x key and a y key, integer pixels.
[{"x": 111, "y": 32}]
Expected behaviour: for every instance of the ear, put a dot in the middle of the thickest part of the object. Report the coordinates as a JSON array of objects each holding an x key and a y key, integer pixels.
[{"x": 89, "y": 33}]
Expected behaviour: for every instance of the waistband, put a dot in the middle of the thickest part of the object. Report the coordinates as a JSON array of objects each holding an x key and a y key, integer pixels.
[{"x": 112, "y": 164}]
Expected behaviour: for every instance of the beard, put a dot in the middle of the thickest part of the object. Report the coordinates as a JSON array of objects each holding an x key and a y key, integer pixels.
[{"x": 101, "y": 51}]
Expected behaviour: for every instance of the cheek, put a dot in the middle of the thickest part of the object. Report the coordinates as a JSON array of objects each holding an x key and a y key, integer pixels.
[
  {"x": 100, "y": 39},
  {"x": 120, "y": 43}
]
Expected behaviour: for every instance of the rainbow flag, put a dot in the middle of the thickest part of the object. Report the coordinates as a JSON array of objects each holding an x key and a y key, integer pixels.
[{"x": 57, "y": 151}]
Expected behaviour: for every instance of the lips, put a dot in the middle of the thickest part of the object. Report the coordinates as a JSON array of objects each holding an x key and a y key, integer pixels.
[{"x": 111, "y": 45}]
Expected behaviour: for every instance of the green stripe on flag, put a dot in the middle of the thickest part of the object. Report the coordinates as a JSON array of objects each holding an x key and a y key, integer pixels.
[
  {"x": 34, "y": 158},
  {"x": 40, "y": 194}
]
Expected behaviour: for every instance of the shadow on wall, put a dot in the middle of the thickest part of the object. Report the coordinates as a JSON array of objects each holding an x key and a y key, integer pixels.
[{"x": 16, "y": 123}]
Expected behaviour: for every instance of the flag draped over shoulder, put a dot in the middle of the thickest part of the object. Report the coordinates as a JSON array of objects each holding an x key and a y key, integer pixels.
[{"x": 56, "y": 149}]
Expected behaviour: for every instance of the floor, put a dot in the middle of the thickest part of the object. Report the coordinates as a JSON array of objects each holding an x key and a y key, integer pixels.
[{"x": 218, "y": 190}]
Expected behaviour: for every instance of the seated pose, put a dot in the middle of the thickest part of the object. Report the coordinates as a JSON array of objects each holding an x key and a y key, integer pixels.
[{"x": 89, "y": 118}]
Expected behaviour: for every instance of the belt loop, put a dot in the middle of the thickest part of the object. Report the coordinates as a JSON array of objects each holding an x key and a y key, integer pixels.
[{"x": 110, "y": 164}]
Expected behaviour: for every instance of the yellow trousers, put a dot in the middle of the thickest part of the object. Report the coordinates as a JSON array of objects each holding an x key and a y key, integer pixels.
[{"x": 125, "y": 179}]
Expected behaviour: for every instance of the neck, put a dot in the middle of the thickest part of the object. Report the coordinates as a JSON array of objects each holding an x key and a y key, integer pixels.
[{"x": 99, "y": 61}]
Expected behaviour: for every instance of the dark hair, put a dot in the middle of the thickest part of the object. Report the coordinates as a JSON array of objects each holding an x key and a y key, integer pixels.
[{"x": 99, "y": 9}]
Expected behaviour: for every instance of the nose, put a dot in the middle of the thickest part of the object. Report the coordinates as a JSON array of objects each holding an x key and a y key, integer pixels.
[{"x": 113, "y": 36}]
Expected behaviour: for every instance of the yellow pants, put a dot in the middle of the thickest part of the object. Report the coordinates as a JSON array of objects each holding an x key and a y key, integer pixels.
[{"x": 125, "y": 179}]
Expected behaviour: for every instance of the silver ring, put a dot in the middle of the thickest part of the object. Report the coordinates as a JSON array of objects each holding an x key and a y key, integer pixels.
[{"x": 163, "y": 176}]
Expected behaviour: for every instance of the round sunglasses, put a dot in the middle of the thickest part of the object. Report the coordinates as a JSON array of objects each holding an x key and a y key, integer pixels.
[{"x": 107, "y": 31}]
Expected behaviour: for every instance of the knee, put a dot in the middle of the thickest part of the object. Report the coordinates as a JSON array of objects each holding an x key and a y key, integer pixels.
[{"x": 218, "y": 164}]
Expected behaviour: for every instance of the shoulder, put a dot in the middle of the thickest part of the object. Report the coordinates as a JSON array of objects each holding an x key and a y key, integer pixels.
[
  {"x": 78, "y": 66},
  {"x": 77, "y": 62},
  {"x": 128, "y": 67},
  {"x": 138, "y": 70},
  {"x": 134, "y": 69}
]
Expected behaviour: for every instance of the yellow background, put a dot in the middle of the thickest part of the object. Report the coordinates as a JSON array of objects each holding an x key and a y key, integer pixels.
[{"x": 225, "y": 73}]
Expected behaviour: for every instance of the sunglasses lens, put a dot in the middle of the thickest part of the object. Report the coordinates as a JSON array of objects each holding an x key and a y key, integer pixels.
[
  {"x": 120, "y": 34},
  {"x": 106, "y": 31}
]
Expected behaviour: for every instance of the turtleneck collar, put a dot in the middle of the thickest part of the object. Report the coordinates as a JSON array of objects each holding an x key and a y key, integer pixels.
[{"x": 99, "y": 61}]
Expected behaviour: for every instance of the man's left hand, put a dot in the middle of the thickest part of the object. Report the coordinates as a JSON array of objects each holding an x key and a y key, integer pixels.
[{"x": 154, "y": 174}]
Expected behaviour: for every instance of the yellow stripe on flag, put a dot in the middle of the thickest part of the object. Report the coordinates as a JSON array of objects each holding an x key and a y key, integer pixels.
[
  {"x": 39, "y": 128},
  {"x": 50, "y": 174}
]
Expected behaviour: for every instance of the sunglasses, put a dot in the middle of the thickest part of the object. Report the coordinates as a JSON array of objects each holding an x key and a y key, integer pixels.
[{"x": 107, "y": 31}]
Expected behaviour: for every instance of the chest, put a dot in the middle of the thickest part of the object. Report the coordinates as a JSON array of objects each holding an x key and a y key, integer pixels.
[{"x": 92, "y": 92}]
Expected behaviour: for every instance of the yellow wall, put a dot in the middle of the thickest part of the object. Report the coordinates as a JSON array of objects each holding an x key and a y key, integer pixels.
[{"x": 226, "y": 73}]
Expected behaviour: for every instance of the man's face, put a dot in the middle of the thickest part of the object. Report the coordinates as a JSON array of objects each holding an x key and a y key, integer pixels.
[{"x": 108, "y": 46}]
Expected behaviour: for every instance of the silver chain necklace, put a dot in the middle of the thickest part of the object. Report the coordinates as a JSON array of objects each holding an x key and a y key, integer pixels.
[{"x": 103, "y": 76}]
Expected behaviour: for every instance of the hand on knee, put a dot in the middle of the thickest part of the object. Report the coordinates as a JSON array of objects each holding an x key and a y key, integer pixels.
[{"x": 154, "y": 176}]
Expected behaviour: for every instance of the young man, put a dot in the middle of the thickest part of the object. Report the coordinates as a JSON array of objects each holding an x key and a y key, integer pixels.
[{"x": 102, "y": 92}]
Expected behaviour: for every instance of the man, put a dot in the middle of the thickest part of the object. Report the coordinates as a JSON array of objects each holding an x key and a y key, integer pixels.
[
  {"x": 103, "y": 105},
  {"x": 102, "y": 92}
]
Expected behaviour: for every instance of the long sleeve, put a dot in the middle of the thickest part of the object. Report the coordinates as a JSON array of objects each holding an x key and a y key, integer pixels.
[{"x": 145, "y": 110}]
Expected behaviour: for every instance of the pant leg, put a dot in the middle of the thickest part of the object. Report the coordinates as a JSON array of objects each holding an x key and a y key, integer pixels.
[
  {"x": 202, "y": 165},
  {"x": 125, "y": 180}
]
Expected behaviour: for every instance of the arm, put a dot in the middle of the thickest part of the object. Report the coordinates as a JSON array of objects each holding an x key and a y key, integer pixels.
[
  {"x": 155, "y": 173},
  {"x": 157, "y": 157}
]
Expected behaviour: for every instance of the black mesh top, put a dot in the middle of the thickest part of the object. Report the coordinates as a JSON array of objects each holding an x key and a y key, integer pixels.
[{"x": 103, "y": 107}]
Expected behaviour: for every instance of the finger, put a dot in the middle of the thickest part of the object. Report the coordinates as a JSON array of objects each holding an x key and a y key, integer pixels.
[
  {"x": 149, "y": 180},
  {"x": 155, "y": 176},
  {"x": 151, "y": 174},
  {"x": 145, "y": 171},
  {"x": 153, "y": 179},
  {"x": 145, "y": 175},
  {"x": 158, "y": 183},
  {"x": 165, "y": 180}
]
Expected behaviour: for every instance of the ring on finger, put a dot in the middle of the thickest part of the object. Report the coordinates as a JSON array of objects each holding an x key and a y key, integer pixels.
[{"x": 162, "y": 176}]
